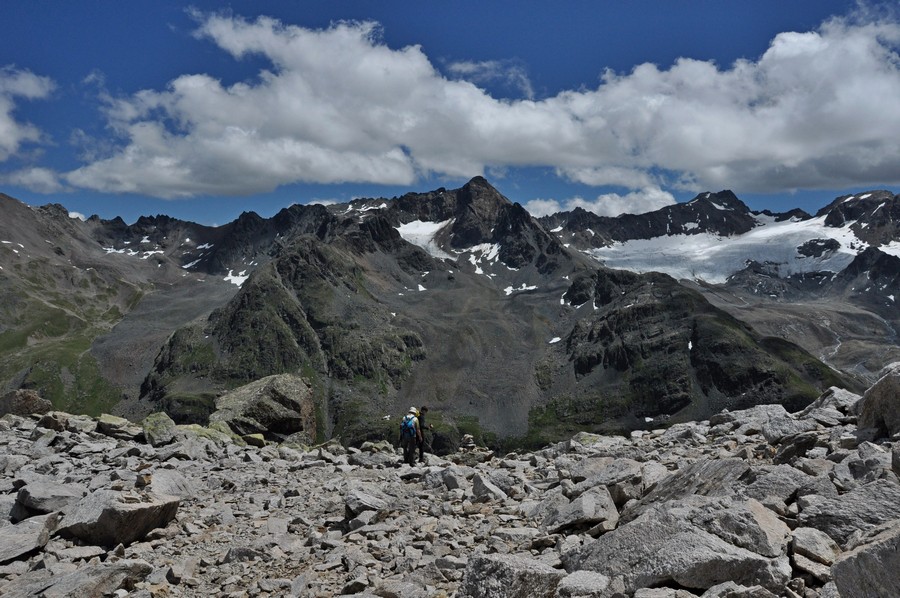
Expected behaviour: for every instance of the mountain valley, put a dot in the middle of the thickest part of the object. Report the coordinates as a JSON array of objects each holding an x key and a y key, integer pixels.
[{"x": 510, "y": 327}]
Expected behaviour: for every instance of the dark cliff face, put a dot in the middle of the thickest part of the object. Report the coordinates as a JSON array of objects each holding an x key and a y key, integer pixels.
[
  {"x": 719, "y": 213},
  {"x": 875, "y": 215}
]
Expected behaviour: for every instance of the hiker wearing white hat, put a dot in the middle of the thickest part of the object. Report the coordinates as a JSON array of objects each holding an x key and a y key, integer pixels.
[{"x": 410, "y": 435}]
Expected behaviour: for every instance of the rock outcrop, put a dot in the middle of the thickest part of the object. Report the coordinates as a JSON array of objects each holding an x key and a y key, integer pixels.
[
  {"x": 24, "y": 402},
  {"x": 275, "y": 405},
  {"x": 758, "y": 502}
]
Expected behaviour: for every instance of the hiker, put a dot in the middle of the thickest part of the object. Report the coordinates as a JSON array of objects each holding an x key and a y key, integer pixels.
[
  {"x": 422, "y": 427},
  {"x": 410, "y": 435}
]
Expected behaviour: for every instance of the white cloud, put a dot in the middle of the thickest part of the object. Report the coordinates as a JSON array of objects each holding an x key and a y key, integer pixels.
[
  {"x": 489, "y": 71},
  {"x": 37, "y": 179},
  {"x": 609, "y": 204},
  {"x": 16, "y": 83},
  {"x": 817, "y": 110}
]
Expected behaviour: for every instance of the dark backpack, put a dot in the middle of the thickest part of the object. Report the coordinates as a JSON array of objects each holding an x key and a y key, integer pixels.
[{"x": 408, "y": 426}]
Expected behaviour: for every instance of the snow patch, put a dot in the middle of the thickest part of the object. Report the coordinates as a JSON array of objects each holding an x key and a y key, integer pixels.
[
  {"x": 510, "y": 290},
  {"x": 237, "y": 279},
  {"x": 554, "y": 340},
  {"x": 892, "y": 248},
  {"x": 422, "y": 233}
]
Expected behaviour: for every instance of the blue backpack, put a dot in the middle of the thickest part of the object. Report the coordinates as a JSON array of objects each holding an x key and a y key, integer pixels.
[{"x": 408, "y": 426}]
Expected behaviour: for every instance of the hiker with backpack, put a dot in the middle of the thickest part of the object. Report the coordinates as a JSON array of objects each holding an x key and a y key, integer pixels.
[
  {"x": 410, "y": 435},
  {"x": 422, "y": 427}
]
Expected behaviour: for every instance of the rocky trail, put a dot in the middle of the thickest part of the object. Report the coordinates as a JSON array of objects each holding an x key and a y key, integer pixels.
[{"x": 750, "y": 504}]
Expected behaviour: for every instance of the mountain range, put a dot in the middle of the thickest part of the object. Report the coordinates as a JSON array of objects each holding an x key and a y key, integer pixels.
[{"x": 516, "y": 329}]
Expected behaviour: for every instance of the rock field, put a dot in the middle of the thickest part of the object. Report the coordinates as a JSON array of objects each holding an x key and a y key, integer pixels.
[{"x": 749, "y": 504}]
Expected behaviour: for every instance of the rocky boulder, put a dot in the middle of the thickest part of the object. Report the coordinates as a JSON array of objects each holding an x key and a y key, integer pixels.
[
  {"x": 873, "y": 568},
  {"x": 24, "y": 402},
  {"x": 879, "y": 408},
  {"x": 108, "y": 518},
  {"x": 275, "y": 406}
]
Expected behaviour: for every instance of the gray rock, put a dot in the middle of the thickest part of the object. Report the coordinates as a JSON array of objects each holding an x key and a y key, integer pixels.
[
  {"x": 872, "y": 569},
  {"x": 879, "y": 408},
  {"x": 743, "y": 523},
  {"x": 24, "y": 537},
  {"x": 661, "y": 548},
  {"x": 170, "y": 482},
  {"x": 814, "y": 568},
  {"x": 835, "y": 398},
  {"x": 729, "y": 589},
  {"x": 159, "y": 429},
  {"x": 622, "y": 477},
  {"x": 108, "y": 518},
  {"x": 485, "y": 489},
  {"x": 712, "y": 477},
  {"x": 587, "y": 510},
  {"x": 796, "y": 446},
  {"x": 863, "y": 508},
  {"x": 508, "y": 576},
  {"x": 119, "y": 427},
  {"x": 281, "y": 405},
  {"x": 814, "y": 544},
  {"x": 772, "y": 421},
  {"x": 663, "y": 593},
  {"x": 588, "y": 584},
  {"x": 41, "y": 496},
  {"x": 356, "y": 501},
  {"x": 92, "y": 580}
]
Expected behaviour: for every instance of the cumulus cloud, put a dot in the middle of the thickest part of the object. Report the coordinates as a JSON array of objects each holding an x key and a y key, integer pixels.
[
  {"x": 817, "y": 110},
  {"x": 37, "y": 179},
  {"x": 608, "y": 204},
  {"x": 18, "y": 84}
]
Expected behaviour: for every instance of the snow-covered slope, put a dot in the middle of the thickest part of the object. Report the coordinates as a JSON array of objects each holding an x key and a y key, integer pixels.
[{"x": 714, "y": 258}]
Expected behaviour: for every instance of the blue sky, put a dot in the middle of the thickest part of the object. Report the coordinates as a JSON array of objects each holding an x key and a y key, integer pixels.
[{"x": 203, "y": 110}]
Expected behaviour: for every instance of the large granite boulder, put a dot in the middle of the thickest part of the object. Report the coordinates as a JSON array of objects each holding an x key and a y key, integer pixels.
[
  {"x": 108, "y": 518},
  {"x": 861, "y": 509},
  {"x": 43, "y": 496},
  {"x": 24, "y": 402},
  {"x": 879, "y": 408},
  {"x": 102, "y": 579},
  {"x": 873, "y": 568},
  {"x": 275, "y": 406},
  {"x": 25, "y": 537},
  {"x": 508, "y": 576},
  {"x": 697, "y": 543}
]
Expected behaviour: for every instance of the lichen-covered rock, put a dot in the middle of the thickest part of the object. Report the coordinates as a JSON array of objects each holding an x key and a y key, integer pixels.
[
  {"x": 159, "y": 429},
  {"x": 275, "y": 405},
  {"x": 119, "y": 427}
]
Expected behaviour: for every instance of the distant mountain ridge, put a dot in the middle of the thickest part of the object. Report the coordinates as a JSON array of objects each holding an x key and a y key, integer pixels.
[{"x": 455, "y": 298}]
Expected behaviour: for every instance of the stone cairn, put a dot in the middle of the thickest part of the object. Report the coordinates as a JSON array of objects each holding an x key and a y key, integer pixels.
[{"x": 754, "y": 504}]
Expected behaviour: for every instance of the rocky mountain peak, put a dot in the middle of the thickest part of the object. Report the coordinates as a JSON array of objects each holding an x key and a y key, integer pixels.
[{"x": 873, "y": 216}]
